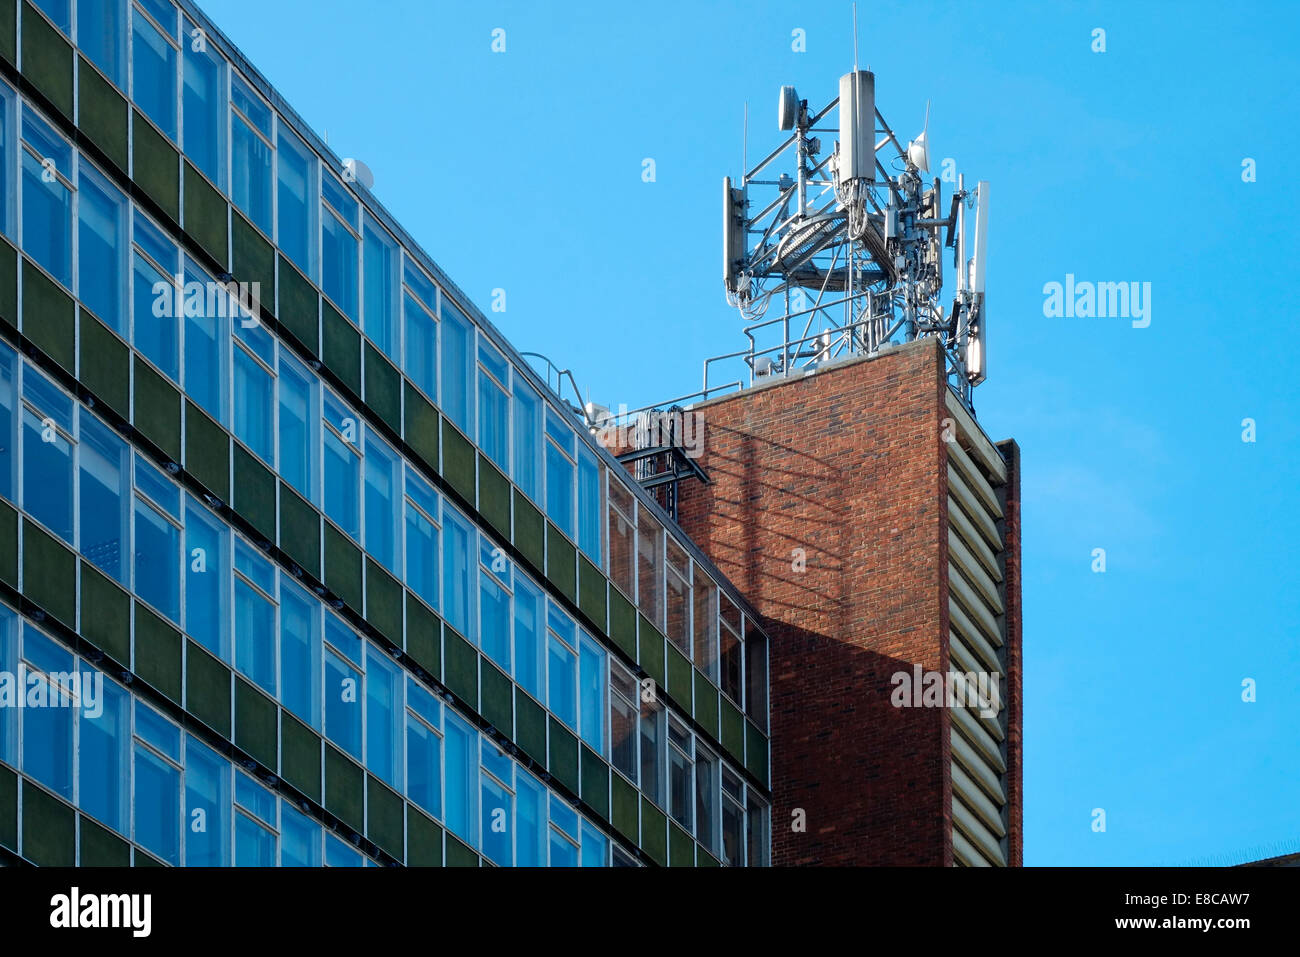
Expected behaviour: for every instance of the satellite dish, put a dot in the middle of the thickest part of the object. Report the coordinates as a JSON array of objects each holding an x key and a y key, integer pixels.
[
  {"x": 918, "y": 151},
  {"x": 355, "y": 171},
  {"x": 788, "y": 108}
]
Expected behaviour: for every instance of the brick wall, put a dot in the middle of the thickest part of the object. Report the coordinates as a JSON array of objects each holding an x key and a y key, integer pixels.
[{"x": 848, "y": 466}]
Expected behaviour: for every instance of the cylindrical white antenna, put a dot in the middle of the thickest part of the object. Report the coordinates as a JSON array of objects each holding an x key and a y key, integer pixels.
[
  {"x": 857, "y": 126},
  {"x": 855, "y": 38}
]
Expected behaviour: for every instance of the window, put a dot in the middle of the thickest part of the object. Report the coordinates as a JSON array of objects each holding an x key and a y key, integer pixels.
[
  {"x": 59, "y": 12},
  {"x": 705, "y": 623},
  {"x": 560, "y": 452},
  {"x": 341, "y": 431},
  {"x": 706, "y": 797},
  {"x": 299, "y": 838},
  {"x": 7, "y": 100},
  {"x": 563, "y": 834},
  {"x": 650, "y": 566},
  {"x": 527, "y": 439},
  {"x": 421, "y": 346},
  {"x": 733, "y": 817},
  {"x": 254, "y": 391},
  {"x": 383, "y": 500},
  {"x": 530, "y": 634},
  {"x": 299, "y": 409},
  {"x": 8, "y": 424},
  {"x": 251, "y": 149},
  {"x": 562, "y": 666},
  {"x": 379, "y": 266},
  {"x": 9, "y": 622},
  {"x": 154, "y": 323},
  {"x": 623, "y": 708},
  {"x": 342, "y": 691},
  {"x": 756, "y": 828},
  {"x": 384, "y": 712},
  {"x": 47, "y": 198},
  {"x": 300, "y": 653},
  {"x": 296, "y": 183},
  {"x": 592, "y": 675},
  {"x": 494, "y": 603},
  {"x": 206, "y": 348},
  {"x": 157, "y": 801},
  {"x": 457, "y": 367},
  {"x": 157, "y": 540},
  {"x": 255, "y": 606},
  {"x": 153, "y": 61},
  {"x": 339, "y": 245},
  {"x": 681, "y": 764},
  {"x": 46, "y": 457},
  {"x": 423, "y": 749},
  {"x": 494, "y": 405},
  {"x": 207, "y": 800},
  {"x": 622, "y": 538},
  {"x": 652, "y": 750},
  {"x": 255, "y": 839},
  {"x": 677, "y": 577},
  {"x": 497, "y": 806},
  {"x": 104, "y": 746},
  {"x": 755, "y": 674},
  {"x": 459, "y": 572},
  {"x": 103, "y": 495},
  {"x": 595, "y": 848},
  {"x": 530, "y": 818},
  {"x": 731, "y": 652},
  {"x": 590, "y": 507},
  {"x": 462, "y": 777},
  {"x": 207, "y": 578},
  {"x": 47, "y": 718},
  {"x": 101, "y": 35},
  {"x": 101, "y": 237},
  {"x": 202, "y": 106},
  {"x": 421, "y": 537}
]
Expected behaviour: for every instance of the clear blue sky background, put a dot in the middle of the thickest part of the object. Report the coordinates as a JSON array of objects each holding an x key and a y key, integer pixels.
[{"x": 523, "y": 171}]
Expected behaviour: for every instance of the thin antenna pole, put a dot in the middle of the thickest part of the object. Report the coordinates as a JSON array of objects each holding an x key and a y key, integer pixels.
[
  {"x": 744, "y": 149},
  {"x": 855, "y": 38}
]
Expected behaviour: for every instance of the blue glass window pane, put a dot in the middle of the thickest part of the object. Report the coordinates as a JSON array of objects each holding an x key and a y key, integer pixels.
[
  {"x": 564, "y": 817},
  {"x": 493, "y": 421},
  {"x": 157, "y": 806},
  {"x": 563, "y": 854},
  {"x": 47, "y": 474},
  {"x": 379, "y": 264},
  {"x": 462, "y": 777},
  {"x": 155, "y": 243},
  {"x": 104, "y": 516},
  {"x": 8, "y": 422},
  {"x": 338, "y": 854},
  {"x": 103, "y": 777},
  {"x": 297, "y": 416},
  {"x": 254, "y": 844},
  {"x": 530, "y": 821},
  {"x": 207, "y": 558},
  {"x": 153, "y": 86},
  {"x": 150, "y": 481},
  {"x": 156, "y": 320},
  {"x": 343, "y": 638},
  {"x": 202, "y": 108},
  {"x": 527, "y": 439},
  {"x": 459, "y": 572},
  {"x": 294, "y": 172},
  {"x": 206, "y": 334},
  {"x": 300, "y": 653},
  {"x": 47, "y": 218},
  {"x": 101, "y": 215},
  {"x": 593, "y": 677},
  {"x": 255, "y": 636},
  {"x": 255, "y": 798},
  {"x": 421, "y": 348},
  {"x": 339, "y": 263},
  {"x": 457, "y": 367},
  {"x": 559, "y": 489},
  {"x": 9, "y": 665},
  {"x": 562, "y": 683},
  {"x": 494, "y": 611},
  {"x": 383, "y": 495},
  {"x": 254, "y": 409},
  {"x": 421, "y": 553},
  {"x": 300, "y": 843},
  {"x": 423, "y": 703},
  {"x": 589, "y": 505},
  {"x": 343, "y": 704},
  {"x": 207, "y": 806},
  {"x": 337, "y": 195},
  {"x": 101, "y": 29},
  {"x": 152, "y": 727},
  {"x": 498, "y": 819},
  {"x": 383, "y": 717},
  {"x": 163, "y": 13},
  {"x": 250, "y": 155},
  {"x": 424, "y": 290},
  {"x": 529, "y": 637},
  {"x": 423, "y": 766},
  {"x": 342, "y": 467},
  {"x": 49, "y": 711},
  {"x": 157, "y": 560},
  {"x": 594, "y": 846}
]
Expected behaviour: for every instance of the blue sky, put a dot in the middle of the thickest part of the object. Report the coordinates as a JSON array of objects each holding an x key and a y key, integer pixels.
[{"x": 522, "y": 171}]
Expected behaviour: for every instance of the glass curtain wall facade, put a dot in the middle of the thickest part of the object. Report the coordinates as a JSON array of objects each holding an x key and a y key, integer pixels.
[{"x": 300, "y": 563}]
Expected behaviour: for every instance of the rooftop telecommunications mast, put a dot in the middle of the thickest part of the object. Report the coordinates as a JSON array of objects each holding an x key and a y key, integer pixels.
[{"x": 846, "y": 255}]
